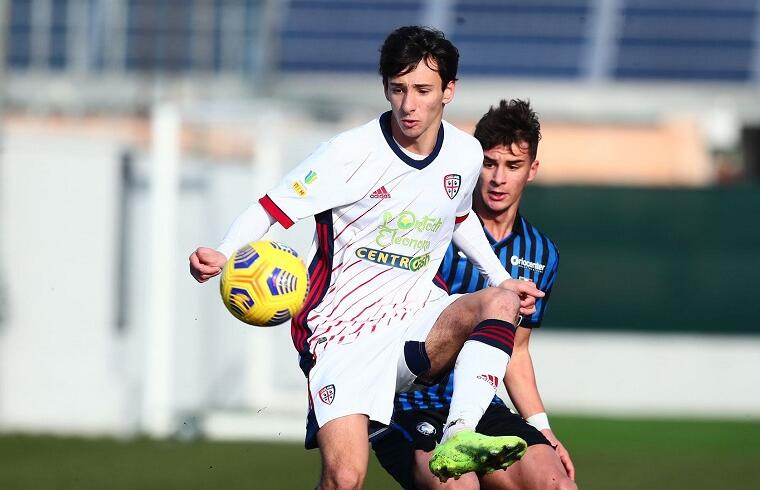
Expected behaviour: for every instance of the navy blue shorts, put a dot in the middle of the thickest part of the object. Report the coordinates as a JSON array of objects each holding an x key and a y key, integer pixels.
[{"x": 422, "y": 429}]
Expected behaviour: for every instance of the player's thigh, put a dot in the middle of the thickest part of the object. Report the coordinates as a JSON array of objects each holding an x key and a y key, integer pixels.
[
  {"x": 343, "y": 445},
  {"x": 395, "y": 452},
  {"x": 539, "y": 469},
  {"x": 454, "y": 325}
]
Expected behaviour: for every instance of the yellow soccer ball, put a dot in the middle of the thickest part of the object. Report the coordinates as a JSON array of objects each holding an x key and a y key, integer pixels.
[{"x": 264, "y": 283}]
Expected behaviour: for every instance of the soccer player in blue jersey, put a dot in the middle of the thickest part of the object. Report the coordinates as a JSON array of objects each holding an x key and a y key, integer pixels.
[{"x": 509, "y": 136}]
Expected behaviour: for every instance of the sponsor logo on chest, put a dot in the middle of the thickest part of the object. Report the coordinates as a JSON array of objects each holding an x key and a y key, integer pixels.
[
  {"x": 394, "y": 260},
  {"x": 521, "y": 262}
]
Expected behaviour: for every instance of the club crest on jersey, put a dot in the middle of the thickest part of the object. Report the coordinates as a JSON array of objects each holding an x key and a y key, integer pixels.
[
  {"x": 451, "y": 184},
  {"x": 327, "y": 394},
  {"x": 490, "y": 379}
]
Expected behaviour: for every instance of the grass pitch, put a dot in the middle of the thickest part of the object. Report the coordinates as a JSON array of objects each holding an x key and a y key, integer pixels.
[{"x": 608, "y": 454}]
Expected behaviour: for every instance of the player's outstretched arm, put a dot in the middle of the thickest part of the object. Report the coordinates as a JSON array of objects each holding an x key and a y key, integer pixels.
[
  {"x": 520, "y": 382},
  {"x": 251, "y": 225},
  {"x": 206, "y": 263}
]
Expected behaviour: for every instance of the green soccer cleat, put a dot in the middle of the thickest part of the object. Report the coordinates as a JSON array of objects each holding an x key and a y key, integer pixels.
[{"x": 469, "y": 451}]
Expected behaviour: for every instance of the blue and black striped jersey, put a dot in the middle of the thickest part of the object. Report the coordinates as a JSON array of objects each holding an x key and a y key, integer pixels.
[{"x": 526, "y": 253}]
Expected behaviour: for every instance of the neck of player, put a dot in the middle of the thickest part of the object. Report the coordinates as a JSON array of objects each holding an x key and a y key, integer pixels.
[
  {"x": 422, "y": 144},
  {"x": 498, "y": 223}
]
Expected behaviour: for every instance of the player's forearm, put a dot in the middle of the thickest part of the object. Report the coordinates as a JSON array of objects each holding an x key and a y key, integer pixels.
[
  {"x": 472, "y": 241},
  {"x": 251, "y": 225},
  {"x": 520, "y": 383}
]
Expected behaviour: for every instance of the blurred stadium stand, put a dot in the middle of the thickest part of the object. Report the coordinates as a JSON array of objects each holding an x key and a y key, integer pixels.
[{"x": 576, "y": 39}]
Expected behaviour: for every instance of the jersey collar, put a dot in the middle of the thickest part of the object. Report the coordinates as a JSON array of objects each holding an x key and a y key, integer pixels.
[
  {"x": 517, "y": 229},
  {"x": 385, "y": 126}
]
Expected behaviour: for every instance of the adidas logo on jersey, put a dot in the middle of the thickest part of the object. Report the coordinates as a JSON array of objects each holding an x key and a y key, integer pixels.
[{"x": 381, "y": 193}]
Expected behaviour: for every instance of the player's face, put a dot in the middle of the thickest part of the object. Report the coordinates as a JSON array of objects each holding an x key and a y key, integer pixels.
[
  {"x": 417, "y": 101},
  {"x": 504, "y": 174}
]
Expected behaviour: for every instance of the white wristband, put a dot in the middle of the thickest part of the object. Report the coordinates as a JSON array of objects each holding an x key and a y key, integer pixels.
[{"x": 540, "y": 421}]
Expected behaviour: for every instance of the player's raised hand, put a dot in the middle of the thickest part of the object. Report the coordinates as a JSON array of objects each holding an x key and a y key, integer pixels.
[
  {"x": 564, "y": 456},
  {"x": 206, "y": 263},
  {"x": 528, "y": 293}
]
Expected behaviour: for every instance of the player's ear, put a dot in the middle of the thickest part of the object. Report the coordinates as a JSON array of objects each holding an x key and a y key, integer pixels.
[
  {"x": 385, "y": 91},
  {"x": 533, "y": 170},
  {"x": 448, "y": 92}
]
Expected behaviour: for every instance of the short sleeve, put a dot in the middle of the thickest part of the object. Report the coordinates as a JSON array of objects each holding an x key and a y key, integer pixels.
[
  {"x": 317, "y": 184},
  {"x": 545, "y": 284}
]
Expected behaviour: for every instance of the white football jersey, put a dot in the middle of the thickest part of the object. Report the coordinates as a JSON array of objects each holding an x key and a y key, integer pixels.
[{"x": 383, "y": 224}]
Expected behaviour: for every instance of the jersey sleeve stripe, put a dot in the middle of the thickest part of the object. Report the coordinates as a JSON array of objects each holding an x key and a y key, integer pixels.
[
  {"x": 275, "y": 211},
  {"x": 459, "y": 219}
]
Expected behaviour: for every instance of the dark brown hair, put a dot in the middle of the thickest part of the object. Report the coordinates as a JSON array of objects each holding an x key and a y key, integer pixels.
[{"x": 511, "y": 122}]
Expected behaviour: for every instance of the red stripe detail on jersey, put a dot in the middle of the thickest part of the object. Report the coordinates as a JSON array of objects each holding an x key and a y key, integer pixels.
[
  {"x": 357, "y": 287},
  {"x": 459, "y": 219},
  {"x": 357, "y": 169},
  {"x": 275, "y": 211},
  {"x": 351, "y": 265},
  {"x": 365, "y": 309},
  {"x": 351, "y": 223}
]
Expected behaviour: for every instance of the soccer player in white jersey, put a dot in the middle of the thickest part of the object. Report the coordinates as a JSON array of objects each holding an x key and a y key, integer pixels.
[{"x": 388, "y": 197}]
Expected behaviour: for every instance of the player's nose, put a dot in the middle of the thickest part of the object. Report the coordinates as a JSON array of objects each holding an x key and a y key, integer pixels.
[{"x": 408, "y": 104}]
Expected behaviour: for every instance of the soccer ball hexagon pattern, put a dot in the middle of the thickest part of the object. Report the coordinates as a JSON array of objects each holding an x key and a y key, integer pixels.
[{"x": 264, "y": 283}]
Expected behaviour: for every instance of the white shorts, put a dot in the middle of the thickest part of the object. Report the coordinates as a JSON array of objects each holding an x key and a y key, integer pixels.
[{"x": 362, "y": 377}]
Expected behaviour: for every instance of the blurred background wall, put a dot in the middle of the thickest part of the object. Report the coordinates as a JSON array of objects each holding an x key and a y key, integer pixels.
[{"x": 135, "y": 130}]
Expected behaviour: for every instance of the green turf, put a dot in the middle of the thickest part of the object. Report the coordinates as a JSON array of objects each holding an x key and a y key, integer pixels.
[{"x": 609, "y": 454}]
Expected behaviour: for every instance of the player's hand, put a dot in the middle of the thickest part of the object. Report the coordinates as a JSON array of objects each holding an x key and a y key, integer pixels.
[
  {"x": 564, "y": 456},
  {"x": 206, "y": 263},
  {"x": 526, "y": 291}
]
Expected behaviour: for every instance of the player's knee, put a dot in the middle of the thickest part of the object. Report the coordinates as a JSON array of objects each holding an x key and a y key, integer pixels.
[
  {"x": 501, "y": 304},
  {"x": 558, "y": 482},
  {"x": 342, "y": 477}
]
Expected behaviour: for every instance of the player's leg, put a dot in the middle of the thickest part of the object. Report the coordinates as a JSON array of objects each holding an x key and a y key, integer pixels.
[
  {"x": 475, "y": 333},
  {"x": 456, "y": 323},
  {"x": 345, "y": 452},
  {"x": 483, "y": 324},
  {"x": 538, "y": 469},
  {"x": 404, "y": 450}
]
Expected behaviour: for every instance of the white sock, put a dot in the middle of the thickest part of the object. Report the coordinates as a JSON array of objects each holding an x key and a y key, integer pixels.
[{"x": 478, "y": 371}]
